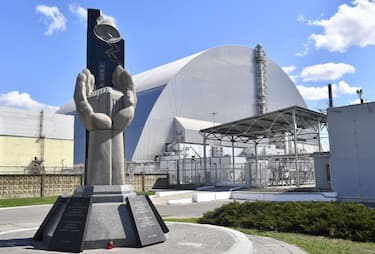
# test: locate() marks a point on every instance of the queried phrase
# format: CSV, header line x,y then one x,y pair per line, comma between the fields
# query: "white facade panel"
x,y
220,80
187,130
26,123
352,139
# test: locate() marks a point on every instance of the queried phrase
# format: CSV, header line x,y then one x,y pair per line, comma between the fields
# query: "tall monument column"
x,y
104,212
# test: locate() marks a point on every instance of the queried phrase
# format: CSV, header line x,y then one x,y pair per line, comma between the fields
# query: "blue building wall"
x,y
146,101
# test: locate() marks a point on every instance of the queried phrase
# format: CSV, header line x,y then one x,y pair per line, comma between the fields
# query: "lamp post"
x,y
197,180
359,93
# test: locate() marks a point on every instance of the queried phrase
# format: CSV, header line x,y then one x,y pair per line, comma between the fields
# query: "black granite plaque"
x,y
70,231
147,226
56,206
157,215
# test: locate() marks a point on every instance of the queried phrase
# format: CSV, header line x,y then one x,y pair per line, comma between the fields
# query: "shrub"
x,y
339,220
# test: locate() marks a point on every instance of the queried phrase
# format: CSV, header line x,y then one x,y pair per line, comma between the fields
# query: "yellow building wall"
x,y
20,152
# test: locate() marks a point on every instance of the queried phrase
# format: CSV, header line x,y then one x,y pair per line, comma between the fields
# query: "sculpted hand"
x,y
84,87
123,82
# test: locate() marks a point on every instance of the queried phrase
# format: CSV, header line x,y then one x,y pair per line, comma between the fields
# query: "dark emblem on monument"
x,y
104,211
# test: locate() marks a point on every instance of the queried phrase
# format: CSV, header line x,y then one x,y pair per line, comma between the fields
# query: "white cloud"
x,y
81,12
288,70
344,88
305,50
313,92
301,18
356,101
349,26
321,92
53,18
16,99
110,18
326,72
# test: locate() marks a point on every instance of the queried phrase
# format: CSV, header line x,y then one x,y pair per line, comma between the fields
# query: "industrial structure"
x,y
178,99
352,157
294,129
35,142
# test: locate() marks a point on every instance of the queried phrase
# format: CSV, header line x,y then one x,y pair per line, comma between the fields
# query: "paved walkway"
x,y
17,226
267,245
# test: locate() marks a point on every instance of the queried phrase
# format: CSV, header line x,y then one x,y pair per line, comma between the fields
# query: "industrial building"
x,y
176,100
35,142
352,157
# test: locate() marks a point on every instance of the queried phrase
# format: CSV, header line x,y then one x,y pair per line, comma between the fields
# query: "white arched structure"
x,y
220,80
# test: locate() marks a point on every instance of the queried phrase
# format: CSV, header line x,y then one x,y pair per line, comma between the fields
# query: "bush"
x,y
339,220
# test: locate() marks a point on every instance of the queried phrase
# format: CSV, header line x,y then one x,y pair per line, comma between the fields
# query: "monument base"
x,y
101,217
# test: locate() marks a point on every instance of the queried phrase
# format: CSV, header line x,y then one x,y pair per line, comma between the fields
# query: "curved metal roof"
x,y
160,75
265,125
149,79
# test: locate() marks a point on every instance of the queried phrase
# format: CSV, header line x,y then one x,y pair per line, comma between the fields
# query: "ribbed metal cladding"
x,y
261,81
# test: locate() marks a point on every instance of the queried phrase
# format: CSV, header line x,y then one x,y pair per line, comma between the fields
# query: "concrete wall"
x,y
352,141
27,123
26,186
23,133
20,151
146,182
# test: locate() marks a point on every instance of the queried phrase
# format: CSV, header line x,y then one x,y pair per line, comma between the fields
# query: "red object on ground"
x,y
110,245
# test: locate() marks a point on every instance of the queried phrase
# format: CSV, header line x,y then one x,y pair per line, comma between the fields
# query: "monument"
x,y
104,213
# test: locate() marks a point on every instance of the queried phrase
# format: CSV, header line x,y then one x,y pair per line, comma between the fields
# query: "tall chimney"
x,y
330,95
260,60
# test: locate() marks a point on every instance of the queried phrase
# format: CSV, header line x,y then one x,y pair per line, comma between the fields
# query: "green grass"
x,y
26,201
189,220
318,244
148,193
41,201
311,244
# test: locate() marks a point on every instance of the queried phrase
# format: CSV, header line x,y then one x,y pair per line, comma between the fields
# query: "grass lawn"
x,y
318,244
40,201
26,201
311,244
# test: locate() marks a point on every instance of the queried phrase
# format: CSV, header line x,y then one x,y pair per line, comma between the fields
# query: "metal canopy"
x,y
267,125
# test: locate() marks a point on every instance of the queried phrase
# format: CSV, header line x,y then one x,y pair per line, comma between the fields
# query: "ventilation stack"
x,y
260,60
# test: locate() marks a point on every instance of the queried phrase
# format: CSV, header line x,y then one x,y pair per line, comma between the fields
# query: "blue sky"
x,y
43,45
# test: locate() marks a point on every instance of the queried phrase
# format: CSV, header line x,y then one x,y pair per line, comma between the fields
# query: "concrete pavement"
x,y
17,226
267,245
183,238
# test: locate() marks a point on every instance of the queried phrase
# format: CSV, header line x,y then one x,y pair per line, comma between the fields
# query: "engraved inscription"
x,y
70,230
142,210
148,227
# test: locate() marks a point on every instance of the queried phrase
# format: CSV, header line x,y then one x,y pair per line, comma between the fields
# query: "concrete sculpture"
x,y
105,113
105,212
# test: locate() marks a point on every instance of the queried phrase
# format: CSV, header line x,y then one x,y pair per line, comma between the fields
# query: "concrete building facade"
x,y
352,154
29,140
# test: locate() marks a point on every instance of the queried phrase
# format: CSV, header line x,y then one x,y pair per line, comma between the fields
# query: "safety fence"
x,y
277,170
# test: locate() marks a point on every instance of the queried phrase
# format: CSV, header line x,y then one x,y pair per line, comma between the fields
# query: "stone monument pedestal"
x,y
101,216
